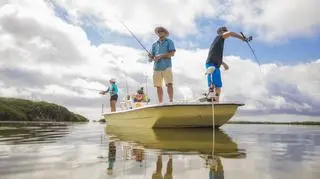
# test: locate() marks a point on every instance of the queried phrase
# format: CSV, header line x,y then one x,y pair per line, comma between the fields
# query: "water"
x,y
83,151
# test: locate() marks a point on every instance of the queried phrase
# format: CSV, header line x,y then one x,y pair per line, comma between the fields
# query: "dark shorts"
x,y
114,97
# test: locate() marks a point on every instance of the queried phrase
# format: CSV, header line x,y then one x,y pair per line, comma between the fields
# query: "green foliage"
x,y
10,114
12,109
102,120
80,118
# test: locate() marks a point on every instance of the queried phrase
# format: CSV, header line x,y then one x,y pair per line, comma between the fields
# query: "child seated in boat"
x,y
140,96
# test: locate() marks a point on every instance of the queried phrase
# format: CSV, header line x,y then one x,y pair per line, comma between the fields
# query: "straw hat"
x,y
161,28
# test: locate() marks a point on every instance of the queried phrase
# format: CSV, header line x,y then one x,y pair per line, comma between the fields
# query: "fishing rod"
x,y
90,89
132,34
253,52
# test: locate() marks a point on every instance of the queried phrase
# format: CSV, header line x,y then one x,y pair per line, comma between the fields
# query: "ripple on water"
x,y
83,151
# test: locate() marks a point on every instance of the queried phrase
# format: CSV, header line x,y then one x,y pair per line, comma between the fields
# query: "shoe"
x,y
210,100
202,99
210,95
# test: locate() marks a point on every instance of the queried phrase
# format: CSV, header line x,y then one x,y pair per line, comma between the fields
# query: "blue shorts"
x,y
216,77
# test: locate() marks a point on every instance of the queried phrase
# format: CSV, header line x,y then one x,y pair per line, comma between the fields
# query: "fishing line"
x,y
213,123
132,34
210,72
117,57
90,89
253,52
255,57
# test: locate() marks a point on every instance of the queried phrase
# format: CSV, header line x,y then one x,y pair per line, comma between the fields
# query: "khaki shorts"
x,y
159,76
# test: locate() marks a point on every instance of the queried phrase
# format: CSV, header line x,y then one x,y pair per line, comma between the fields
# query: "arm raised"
x,y
233,34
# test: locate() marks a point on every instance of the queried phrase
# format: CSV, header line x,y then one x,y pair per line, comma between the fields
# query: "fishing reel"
x,y
248,39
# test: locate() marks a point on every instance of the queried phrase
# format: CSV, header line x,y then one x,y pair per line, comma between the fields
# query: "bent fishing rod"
x,y
90,89
133,35
253,52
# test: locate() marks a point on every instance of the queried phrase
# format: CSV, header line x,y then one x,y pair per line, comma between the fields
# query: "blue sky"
x,y
290,51
293,51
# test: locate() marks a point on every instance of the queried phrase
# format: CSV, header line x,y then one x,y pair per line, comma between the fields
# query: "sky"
x,y
51,49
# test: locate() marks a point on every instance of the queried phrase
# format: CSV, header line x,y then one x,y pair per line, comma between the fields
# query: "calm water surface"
x,y
91,151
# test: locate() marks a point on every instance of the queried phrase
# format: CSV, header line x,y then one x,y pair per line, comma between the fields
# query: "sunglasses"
x,y
161,31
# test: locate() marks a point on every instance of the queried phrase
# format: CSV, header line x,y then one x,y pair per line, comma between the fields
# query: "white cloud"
x,y
143,15
272,19
269,19
186,92
277,87
274,88
78,82
41,55
13,91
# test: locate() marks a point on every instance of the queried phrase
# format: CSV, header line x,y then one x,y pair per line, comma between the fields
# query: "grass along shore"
x,y
14,109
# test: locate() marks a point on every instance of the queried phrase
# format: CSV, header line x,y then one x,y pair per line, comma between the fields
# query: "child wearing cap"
x,y
113,90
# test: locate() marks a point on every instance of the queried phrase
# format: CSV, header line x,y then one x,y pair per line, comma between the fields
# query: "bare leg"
x,y
113,105
211,88
170,91
217,94
210,95
160,94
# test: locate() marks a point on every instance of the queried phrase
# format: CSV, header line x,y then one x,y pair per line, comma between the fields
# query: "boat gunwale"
x,y
176,105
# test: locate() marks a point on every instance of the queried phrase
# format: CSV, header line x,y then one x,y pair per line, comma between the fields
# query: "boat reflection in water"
x,y
170,142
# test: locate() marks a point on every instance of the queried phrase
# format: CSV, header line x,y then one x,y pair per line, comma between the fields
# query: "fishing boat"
x,y
176,115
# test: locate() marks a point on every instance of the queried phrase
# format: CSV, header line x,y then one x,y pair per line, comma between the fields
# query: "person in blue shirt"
x,y
161,53
214,61
113,90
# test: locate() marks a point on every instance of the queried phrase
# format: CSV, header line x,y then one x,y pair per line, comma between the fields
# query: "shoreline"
x,y
313,123
47,122
307,123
